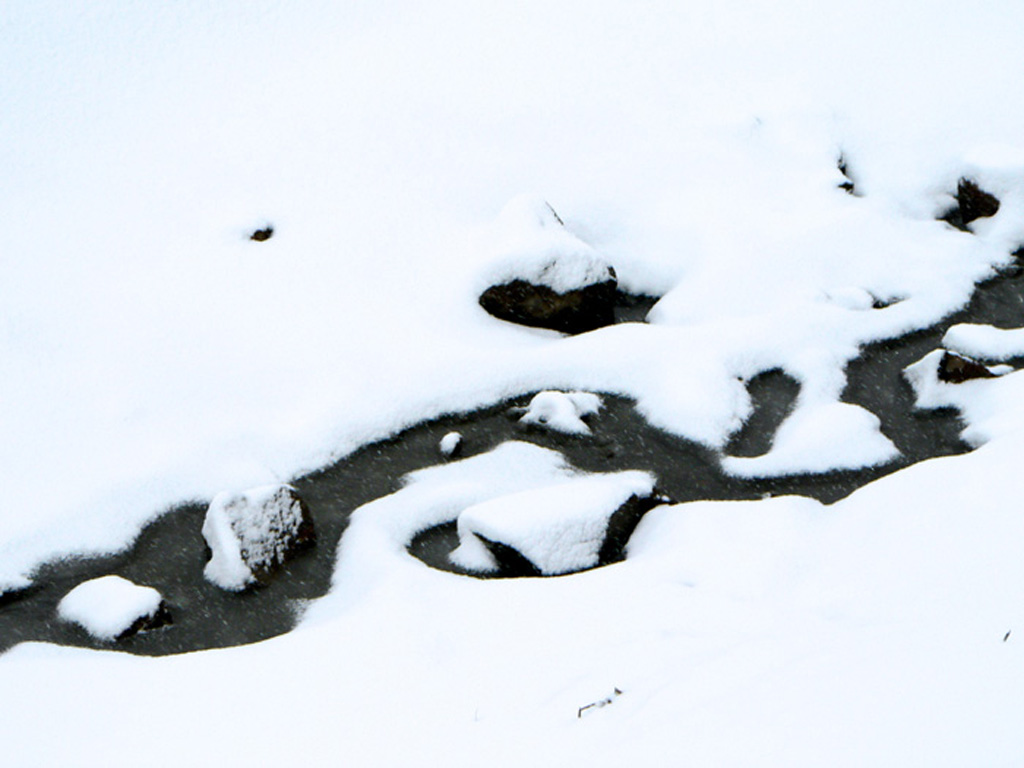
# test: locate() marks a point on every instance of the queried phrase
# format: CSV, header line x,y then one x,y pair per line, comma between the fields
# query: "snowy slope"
x,y
151,353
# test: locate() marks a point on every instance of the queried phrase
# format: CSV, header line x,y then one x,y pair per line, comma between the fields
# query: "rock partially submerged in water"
x,y
112,608
547,277
561,411
252,534
557,529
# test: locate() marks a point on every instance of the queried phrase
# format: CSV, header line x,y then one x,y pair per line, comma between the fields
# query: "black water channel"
x,y
170,553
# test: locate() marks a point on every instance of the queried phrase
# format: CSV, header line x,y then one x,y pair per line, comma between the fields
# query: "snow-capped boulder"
x,y
252,534
562,411
546,276
113,608
556,529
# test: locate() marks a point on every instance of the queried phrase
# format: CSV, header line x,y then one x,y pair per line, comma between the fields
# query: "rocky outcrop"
x,y
252,534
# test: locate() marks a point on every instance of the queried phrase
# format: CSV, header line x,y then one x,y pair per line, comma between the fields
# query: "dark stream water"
x,y
170,553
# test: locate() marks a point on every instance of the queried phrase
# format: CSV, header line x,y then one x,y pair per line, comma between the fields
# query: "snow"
x,y
150,353
562,411
532,244
560,528
108,606
249,532
985,342
450,443
818,439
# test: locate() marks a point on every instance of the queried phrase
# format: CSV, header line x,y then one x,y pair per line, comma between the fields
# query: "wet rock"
x,y
956,369
539,306
113,608
972,203
252,534
262,234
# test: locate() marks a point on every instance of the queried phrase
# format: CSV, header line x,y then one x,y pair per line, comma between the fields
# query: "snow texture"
x,y
250,533
560,528
108,606
562,411
830,436
533,245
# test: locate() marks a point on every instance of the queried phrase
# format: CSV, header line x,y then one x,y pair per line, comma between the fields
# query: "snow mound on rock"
x,y
559,528
532,244
985,342
252,533
562,411
107,607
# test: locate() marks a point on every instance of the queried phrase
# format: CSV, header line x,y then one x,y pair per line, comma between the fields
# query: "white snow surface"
x,y
532,244
985,342
249,531
817,439
150,353
109,605
562,411
559,528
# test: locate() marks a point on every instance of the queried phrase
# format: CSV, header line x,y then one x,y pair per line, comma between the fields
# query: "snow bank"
x,y
252,533
108,606
562,411
559,529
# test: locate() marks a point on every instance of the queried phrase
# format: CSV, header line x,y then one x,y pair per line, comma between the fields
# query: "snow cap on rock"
x,y
108,607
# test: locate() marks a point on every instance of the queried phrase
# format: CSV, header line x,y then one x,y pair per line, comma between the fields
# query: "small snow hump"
x,y
113,608
562,411
252,534
451,445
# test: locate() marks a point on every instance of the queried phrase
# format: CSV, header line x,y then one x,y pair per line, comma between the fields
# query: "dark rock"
x,y
956,369
262,234
972,203
539,306
159,618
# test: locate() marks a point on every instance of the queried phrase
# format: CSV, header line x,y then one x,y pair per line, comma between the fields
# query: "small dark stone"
x,y
847,186
972,203
539,306
262,234
159,618
956,369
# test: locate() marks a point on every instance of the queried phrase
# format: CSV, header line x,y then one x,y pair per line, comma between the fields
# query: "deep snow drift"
x,y
151,353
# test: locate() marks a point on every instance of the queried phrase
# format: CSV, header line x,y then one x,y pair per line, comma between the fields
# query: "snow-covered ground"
x,y
151,353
